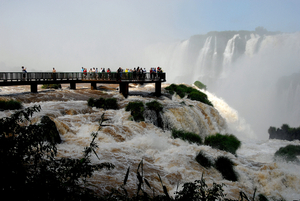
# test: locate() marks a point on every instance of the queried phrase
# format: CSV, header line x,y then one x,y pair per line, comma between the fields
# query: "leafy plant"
x,y
10,105
30,166
200,85
288,153
199,190
204,160
225,166
51,86
137,110
226,142
154,105
183,90
109,103
187,136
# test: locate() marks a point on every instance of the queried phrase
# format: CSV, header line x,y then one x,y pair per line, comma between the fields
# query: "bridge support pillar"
x,y
33,88
124,89
157,88
73,85
93,85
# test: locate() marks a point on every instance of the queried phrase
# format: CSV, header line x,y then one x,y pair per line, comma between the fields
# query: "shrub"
x,y
183,90
204,160
109,103
154,105
10,105
137,110
226,142
288,153
225,166
199,96
187,136
51,86
199,190
200,85
30,166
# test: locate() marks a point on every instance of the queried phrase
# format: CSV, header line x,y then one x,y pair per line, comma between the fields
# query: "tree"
x,y
30,167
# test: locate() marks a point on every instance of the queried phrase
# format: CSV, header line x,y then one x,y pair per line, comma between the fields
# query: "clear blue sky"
x,y
69,34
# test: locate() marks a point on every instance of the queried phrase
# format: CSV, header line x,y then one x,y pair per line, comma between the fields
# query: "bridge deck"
x,y
123,79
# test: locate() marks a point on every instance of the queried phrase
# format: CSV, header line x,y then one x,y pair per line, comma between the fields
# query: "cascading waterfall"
x,y
245,69
125,143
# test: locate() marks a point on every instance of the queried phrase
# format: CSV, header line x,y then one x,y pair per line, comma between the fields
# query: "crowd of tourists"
x,y
137,73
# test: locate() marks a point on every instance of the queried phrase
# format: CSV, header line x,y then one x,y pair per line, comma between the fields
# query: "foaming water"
x,y
125,143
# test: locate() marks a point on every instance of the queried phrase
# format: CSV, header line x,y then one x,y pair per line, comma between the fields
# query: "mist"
x,y
255,73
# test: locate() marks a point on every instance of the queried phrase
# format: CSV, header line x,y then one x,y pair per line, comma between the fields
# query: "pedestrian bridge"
x,y
123,79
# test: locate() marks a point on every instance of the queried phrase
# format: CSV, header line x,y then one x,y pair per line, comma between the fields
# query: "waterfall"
x,y
244,68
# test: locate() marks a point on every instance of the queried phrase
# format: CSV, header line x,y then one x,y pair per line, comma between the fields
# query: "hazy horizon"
x,y
70,34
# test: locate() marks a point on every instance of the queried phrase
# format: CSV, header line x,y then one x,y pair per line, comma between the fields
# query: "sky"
x,y
69,34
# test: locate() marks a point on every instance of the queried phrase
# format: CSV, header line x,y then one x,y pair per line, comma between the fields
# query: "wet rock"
x,y
49,127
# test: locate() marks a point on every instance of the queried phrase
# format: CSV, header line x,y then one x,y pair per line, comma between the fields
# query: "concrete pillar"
x,y
73,85
157,88
93,85
33,88
124,89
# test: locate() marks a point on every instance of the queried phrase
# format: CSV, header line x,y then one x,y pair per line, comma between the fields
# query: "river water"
x,y
126,143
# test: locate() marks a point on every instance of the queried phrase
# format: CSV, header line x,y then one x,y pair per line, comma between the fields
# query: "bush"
x,y
199,190
187,136
200,85
10,105
51,86
288,153
204,160
199,96
109,103
225,166
154,105
284,133
183,90
137,110
227,142
30,166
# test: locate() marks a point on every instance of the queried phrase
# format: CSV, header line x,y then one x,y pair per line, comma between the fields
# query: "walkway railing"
x,y
89,76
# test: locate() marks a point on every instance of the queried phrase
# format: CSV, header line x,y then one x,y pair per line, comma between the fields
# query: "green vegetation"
x,y
200,85
284,133
288,153
226,142
187,136
204,160
154,105
30,167
109,103
51,86
225,166
137,109
199,190
10,105
182,90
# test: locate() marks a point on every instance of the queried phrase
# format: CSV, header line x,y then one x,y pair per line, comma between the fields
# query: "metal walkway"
x,y
123,79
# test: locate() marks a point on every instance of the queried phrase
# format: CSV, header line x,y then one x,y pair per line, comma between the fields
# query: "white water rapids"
x,y
125,143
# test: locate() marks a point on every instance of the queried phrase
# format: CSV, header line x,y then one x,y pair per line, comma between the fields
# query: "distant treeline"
x,y
284,133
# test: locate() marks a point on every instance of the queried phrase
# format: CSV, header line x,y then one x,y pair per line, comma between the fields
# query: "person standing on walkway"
x,y
24,71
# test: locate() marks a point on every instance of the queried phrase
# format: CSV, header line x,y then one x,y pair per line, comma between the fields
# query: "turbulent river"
x,y
125,143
